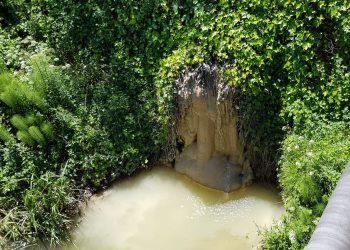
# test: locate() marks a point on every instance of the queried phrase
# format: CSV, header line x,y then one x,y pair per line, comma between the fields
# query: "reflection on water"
x,y
161,209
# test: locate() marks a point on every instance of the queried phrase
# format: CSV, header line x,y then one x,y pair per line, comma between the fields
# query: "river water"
x,y
161,209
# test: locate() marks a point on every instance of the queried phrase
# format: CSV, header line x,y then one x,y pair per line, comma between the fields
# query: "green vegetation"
x,y
311,165
34,193
87,92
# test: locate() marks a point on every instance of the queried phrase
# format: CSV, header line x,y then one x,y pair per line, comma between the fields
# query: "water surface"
x,y
161,209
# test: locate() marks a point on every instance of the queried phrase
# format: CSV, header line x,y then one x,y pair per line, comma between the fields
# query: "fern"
x,y
25,137
11,92
31,119
9,98
23,98
35,98
5,135
5,80
19,122
37,135
19,95
41,71
47,129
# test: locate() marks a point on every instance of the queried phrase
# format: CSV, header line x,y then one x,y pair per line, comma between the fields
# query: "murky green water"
x,y
163,210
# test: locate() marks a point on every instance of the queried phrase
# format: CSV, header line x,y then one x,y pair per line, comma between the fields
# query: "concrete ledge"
x,y
333,230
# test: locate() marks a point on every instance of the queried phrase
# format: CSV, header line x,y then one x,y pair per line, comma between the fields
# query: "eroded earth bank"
x,y
213,151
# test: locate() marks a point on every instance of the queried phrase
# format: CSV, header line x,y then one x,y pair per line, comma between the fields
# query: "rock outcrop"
x,y
213,152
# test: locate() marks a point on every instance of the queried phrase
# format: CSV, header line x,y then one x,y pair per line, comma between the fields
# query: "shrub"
x,y
91,157
35,196
310,167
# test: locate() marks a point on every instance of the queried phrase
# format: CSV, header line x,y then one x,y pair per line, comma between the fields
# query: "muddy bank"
x,y
213,151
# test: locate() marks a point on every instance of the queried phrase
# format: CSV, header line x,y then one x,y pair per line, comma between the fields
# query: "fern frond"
x,y
41,71
25,137
5,135
19,122
47,129
17,94
10,90
31,119
35,133
5,80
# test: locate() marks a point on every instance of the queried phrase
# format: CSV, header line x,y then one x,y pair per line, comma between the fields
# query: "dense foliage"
x,y
311,165
289,58
64,128
87,94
